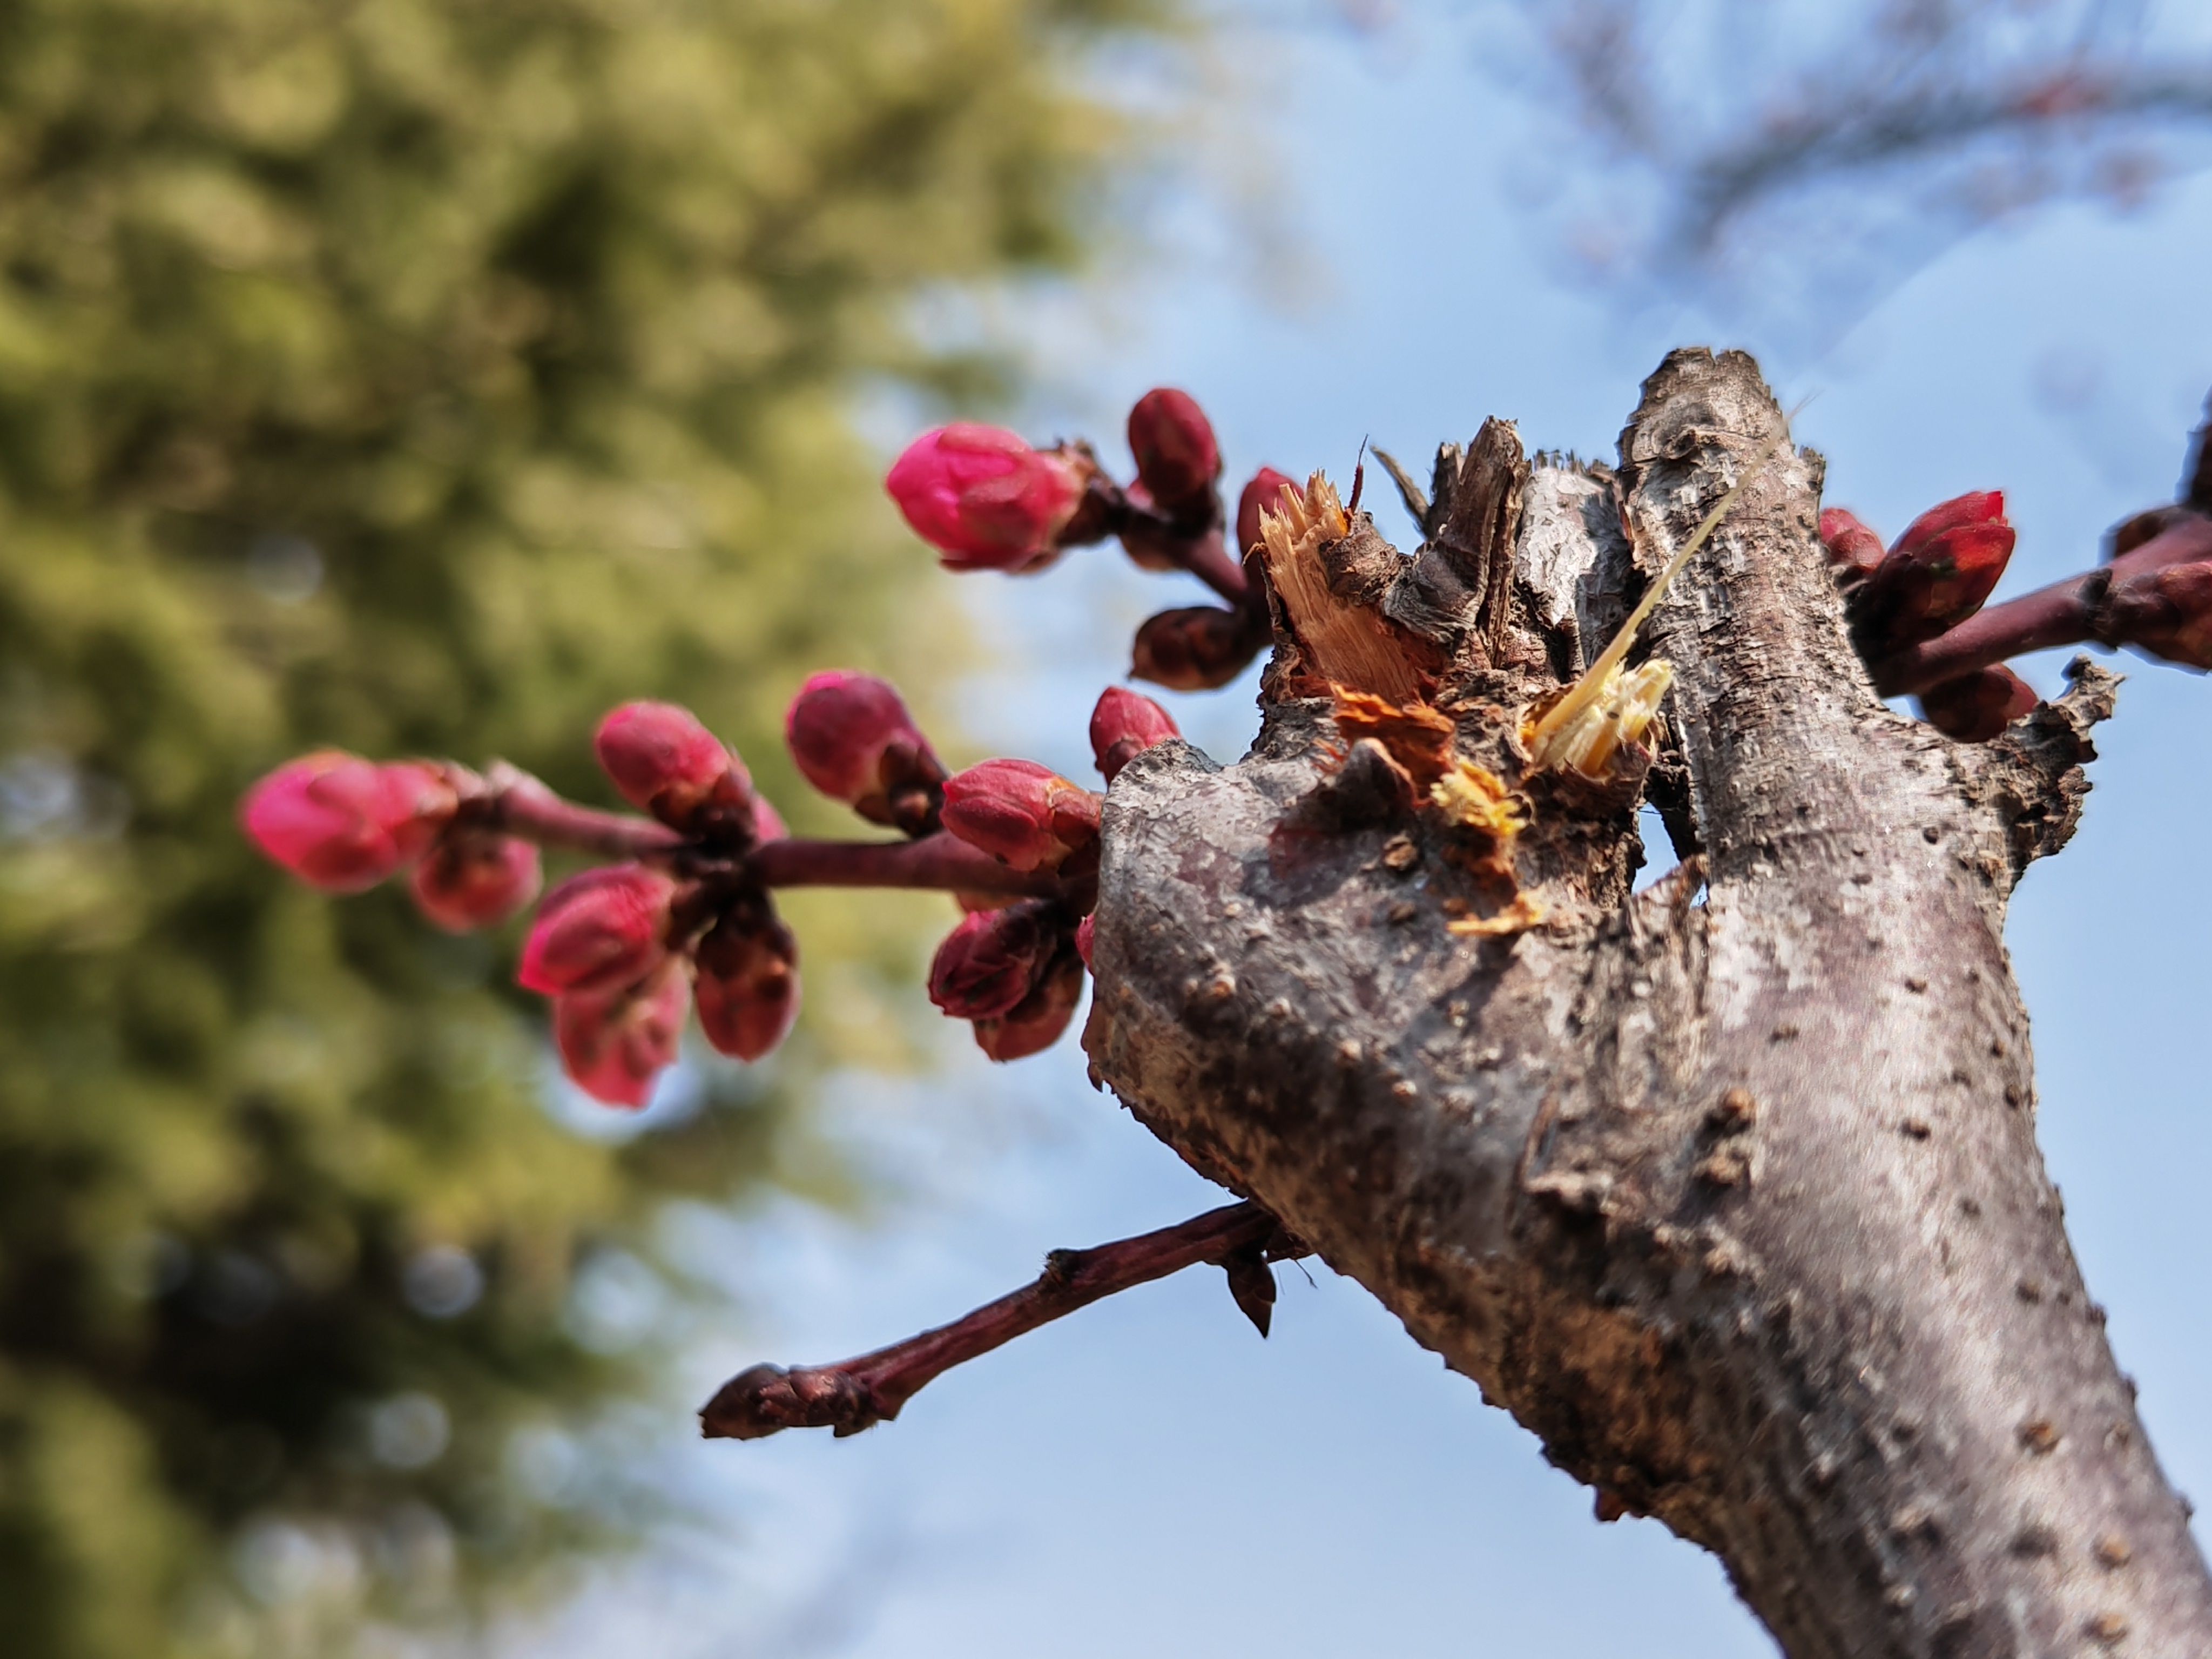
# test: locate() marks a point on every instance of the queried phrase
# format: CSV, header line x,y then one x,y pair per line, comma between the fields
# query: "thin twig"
x,y
857,1394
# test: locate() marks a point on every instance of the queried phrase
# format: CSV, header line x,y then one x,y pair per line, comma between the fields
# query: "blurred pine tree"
x,y
411,377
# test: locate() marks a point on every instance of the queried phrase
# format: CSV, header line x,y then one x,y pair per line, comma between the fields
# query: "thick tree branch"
x,y
858,1394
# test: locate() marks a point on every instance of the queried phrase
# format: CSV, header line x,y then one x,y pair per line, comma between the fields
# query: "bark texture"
x,y
1728,1190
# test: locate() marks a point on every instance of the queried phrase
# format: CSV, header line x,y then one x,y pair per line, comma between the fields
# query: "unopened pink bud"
x,y
748,987
983,498
1123,726
1035,1022
667,763
1196,647
1975,507
614,1043
994,959
599,931
1266,490
1177,458
1023,813
471,880
855,742
1853,549
1975,706
344,824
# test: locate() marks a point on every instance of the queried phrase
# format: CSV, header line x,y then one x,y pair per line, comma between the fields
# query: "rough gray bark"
x,y
1733,1199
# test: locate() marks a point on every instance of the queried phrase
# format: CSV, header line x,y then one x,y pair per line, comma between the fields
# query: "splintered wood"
x,y
1338,642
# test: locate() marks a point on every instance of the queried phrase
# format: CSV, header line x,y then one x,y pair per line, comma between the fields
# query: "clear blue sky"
x,y
1150,1478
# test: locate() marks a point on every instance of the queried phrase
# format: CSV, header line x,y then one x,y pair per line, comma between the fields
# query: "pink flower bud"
x,y
344,824
1177,458
1266,490
613,1043
983,498
1975,706
1938,574
748,989
1123,726
855,742
1853,549
470,880
1025,814
1035,1023
667,763
1198,647
994,959
599,931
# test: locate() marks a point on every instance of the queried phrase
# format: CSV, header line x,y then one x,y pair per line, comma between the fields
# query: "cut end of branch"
x,y
1338,640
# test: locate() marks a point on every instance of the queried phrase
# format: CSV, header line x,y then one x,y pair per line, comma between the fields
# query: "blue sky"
x,y
1149,1477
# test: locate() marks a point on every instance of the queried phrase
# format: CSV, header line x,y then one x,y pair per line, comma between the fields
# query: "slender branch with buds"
x,y
857,1394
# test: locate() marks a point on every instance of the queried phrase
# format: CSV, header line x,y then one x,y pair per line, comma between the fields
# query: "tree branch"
x,y
858,1394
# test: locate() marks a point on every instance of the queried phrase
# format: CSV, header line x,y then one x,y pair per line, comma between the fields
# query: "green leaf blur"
x,y
412,378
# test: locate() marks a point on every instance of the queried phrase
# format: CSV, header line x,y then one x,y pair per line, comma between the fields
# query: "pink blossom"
x,y
854,741
747,988
599,931
1177,454
1025,814
992,960
614,1043
475,880
1035,1022
1124,724
344,824
983,498
667,763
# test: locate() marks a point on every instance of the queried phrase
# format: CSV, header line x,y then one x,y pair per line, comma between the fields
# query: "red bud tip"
x,y
1085,931
748,989
343,823
855,742
1123,726
1265,491
474,880
1975,706
2166,613
600,931
1975,507
1198,648
1035,1023
666,763
1853,549
1177,458
1022,814
983,498
1939,574
613,1044
994,959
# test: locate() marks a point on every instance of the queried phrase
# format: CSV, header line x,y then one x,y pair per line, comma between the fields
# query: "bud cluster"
x,y
987,501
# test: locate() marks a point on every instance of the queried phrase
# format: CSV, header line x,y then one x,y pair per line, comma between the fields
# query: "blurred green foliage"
x,y
415,377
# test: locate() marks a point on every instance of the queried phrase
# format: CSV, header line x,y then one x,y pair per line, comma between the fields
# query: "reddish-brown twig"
x,y
520,806
858,1394
2065,613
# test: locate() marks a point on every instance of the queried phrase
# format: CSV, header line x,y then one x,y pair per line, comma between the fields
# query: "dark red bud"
x,y
1937,576
1123,726
614,1043
599,931
1177,458
1853,549
1265,491
1197,648
1975,706
473,879
1975,507
992,961
2166,613
1021,812
1035,1022
748,986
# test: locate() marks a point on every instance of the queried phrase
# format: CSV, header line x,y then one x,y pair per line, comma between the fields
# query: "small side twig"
x,y
857,1394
